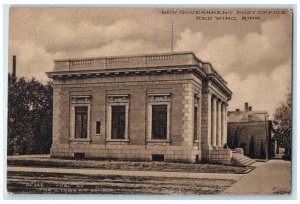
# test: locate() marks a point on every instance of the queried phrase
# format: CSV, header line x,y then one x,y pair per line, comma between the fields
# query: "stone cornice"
x,y
216,81
197,71
126,72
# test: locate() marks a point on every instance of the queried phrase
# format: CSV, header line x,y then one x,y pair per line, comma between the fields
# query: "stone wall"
x,y
181,146
221,156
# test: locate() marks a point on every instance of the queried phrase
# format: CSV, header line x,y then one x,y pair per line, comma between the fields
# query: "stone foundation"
x,y
128,152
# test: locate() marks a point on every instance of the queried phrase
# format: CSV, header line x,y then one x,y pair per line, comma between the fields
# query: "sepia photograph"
x,y
150,101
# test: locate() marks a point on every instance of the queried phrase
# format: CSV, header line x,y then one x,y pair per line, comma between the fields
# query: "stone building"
x,y
170,107
251,130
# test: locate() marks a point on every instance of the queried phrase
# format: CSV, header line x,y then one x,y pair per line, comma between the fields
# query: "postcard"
x,y
150,101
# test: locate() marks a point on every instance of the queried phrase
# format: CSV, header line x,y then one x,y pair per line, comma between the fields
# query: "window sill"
x,y
117,140
80,140
158,141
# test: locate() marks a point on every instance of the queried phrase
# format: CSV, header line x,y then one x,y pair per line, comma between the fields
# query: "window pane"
x,y
159,121
114,133
118,122
98,127
81,115
196,123
121,132
78,126
84,125
159,108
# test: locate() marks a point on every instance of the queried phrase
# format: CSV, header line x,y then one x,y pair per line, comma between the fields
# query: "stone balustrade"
x,y
153,60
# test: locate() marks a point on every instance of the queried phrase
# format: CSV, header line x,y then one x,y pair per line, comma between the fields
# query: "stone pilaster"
x,y
223,141
219,124
200,122
188,116
225,124
205,125
56,117
214,122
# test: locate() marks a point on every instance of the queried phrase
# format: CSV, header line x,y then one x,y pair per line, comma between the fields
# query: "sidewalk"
x,y
272,177
125,173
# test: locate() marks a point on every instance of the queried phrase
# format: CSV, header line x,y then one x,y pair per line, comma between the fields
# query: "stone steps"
x,y
241,160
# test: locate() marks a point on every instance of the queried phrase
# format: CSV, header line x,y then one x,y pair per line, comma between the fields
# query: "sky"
x,y
253,56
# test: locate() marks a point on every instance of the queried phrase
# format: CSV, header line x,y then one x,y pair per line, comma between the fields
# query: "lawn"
x,y
44,183
126,165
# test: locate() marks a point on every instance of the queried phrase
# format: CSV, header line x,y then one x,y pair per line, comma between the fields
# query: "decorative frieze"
x,y
118,98
152,97
81,99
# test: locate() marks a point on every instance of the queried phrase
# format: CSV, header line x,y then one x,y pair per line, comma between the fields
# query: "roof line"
x,y
137,55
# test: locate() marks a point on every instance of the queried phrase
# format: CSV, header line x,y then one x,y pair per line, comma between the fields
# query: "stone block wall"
x,y
221,156
181,146
126,152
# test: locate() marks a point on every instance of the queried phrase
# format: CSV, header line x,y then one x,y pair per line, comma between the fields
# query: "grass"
x,y
126,165
44,183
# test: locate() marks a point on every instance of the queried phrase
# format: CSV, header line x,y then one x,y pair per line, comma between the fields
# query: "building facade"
x,y
170,107
252,131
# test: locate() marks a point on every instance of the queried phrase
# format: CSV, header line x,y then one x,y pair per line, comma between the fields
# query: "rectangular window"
x,y
81,121
98,127
159,122
118,122
158,157
195,123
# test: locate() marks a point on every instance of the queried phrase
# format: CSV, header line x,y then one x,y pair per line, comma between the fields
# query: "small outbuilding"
x,y
252,131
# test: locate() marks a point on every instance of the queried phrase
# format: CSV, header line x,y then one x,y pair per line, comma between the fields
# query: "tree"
x,y
252,147
233,141
236,138
282,125
262,153
29,116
